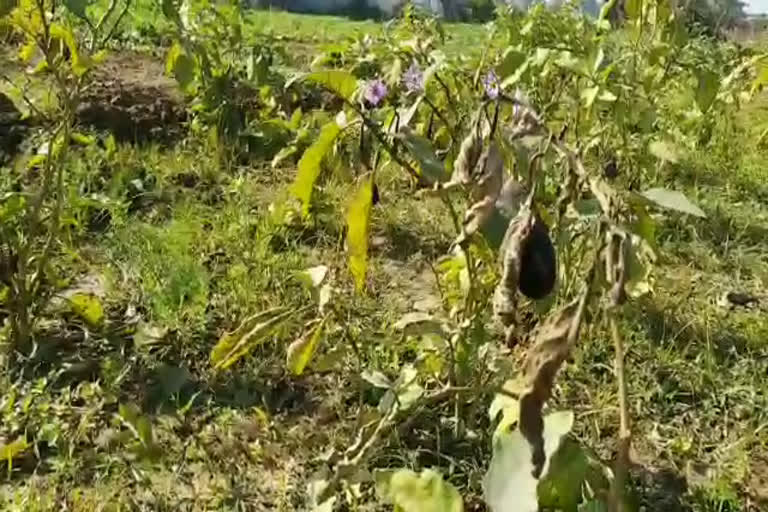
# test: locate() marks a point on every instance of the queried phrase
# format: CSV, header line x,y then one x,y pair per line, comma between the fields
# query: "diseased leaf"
x,y
342,83
423,152
358,224
88,307
409,491
251,333
300,352
309,164
673,200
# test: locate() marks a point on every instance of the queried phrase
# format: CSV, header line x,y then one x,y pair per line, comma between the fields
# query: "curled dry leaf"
x,y
469,153
551,346
485,187
511,254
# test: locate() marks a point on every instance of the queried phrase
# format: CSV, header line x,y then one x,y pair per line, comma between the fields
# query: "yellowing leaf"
x,y
309,165
251,333
358,223
340,82
180,66
418,492
79,63
10,451
300,352
87,307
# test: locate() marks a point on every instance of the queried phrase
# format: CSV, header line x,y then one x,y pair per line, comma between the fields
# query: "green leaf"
x,y
342,83
423,152
409,491
569,469
79,63
358,225
180,66
706,90
673,200
509,485
510,63
309,164
88,307
77,7
251,333
300,352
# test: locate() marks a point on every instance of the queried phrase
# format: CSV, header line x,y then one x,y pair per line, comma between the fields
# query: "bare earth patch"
x,y
133,98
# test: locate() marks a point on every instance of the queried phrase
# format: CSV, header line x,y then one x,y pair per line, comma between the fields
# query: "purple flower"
x,y
375,91
413,78
491,83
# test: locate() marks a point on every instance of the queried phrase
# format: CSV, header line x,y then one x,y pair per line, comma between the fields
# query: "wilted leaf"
x,y
409,491
509,484
422,151
340,82
358,224
251,333
88,307
511,256
309,164
673,200
300,352
706,89
542,362
180,66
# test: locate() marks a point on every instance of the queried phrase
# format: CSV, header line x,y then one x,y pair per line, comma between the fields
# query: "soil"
x,y
12,128
132,97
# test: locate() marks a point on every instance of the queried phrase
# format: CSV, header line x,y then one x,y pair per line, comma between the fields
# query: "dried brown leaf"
x,y
551,347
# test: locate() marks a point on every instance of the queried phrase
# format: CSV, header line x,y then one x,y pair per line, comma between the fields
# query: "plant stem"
x,y
625,435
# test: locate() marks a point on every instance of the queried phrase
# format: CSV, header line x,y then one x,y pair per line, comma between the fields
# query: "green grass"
x,y
193,248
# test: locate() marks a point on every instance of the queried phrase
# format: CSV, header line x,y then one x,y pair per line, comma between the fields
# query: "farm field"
x,y
232,276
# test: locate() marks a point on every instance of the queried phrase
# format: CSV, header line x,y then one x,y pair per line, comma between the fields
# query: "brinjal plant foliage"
x,y
63,42
544,151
